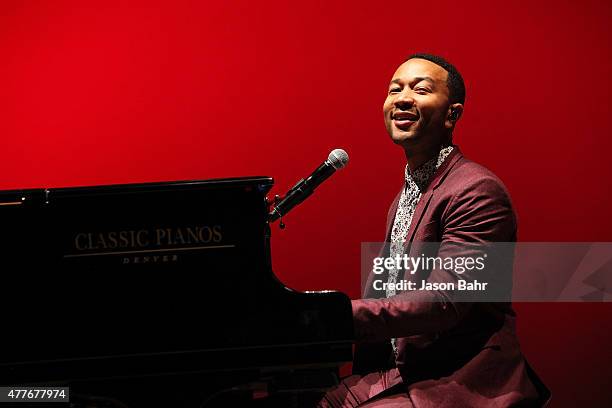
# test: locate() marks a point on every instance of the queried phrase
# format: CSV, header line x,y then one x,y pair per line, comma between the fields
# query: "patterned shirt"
x,y
416,182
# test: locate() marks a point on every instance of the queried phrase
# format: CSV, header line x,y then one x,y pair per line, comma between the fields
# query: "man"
x,y
425,348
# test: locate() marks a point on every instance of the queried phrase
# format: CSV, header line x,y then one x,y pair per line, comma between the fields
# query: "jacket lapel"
x,y
438,177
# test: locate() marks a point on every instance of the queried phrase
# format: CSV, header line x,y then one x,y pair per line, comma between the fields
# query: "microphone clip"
x,y
277,200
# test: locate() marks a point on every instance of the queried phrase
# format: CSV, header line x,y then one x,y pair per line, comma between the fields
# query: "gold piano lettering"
x,y
148,239
188,235
111,240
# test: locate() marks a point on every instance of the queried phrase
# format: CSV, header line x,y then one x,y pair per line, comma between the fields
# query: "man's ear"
x,y
453,114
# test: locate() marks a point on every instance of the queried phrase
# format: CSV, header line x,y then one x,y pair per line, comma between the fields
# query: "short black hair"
x,y
456,86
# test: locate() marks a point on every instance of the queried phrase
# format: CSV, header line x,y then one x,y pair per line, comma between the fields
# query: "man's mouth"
x,y
404,119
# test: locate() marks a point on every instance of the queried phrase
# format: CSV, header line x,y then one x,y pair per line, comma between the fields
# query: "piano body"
x,y
163,282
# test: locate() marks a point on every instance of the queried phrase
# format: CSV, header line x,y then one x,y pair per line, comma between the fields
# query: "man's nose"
x,y
404,100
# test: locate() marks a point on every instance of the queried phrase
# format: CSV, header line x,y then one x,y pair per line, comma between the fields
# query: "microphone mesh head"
x,y
338,158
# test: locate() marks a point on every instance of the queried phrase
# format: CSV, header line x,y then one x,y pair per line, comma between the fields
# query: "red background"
x,y
99,92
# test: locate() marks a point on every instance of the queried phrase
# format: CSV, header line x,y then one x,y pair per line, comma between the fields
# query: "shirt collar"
x,y
422,174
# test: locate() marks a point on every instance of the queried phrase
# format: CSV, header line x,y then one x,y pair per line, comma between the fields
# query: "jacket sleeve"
x,y
478,214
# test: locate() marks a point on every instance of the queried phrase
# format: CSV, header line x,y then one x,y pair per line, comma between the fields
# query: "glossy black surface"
x,y
149,279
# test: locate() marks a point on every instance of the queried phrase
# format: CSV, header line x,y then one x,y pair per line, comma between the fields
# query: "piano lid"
x,y
114,225
262,183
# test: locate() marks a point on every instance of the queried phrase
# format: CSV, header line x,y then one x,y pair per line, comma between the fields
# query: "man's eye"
x,y
394,90
421,91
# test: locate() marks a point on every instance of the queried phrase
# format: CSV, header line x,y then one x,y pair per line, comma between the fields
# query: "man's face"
x,y
416,108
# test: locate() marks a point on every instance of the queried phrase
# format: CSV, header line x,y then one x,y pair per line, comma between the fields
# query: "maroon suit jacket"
x,y
450,354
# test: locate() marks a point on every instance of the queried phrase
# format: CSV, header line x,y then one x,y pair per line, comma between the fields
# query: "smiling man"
x,y
427,348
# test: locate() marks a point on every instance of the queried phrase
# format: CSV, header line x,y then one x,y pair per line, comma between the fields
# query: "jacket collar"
x,y
444,169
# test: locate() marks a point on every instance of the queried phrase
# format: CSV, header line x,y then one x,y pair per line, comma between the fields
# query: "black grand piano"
x,y
163,289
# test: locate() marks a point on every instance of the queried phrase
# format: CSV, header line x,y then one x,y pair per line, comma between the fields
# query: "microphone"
x,y
336,160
